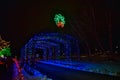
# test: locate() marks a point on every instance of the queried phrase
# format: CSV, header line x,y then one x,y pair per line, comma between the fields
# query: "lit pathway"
x,y
109,68
61,70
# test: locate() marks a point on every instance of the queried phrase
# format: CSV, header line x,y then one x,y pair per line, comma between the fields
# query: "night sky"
x,y
21,19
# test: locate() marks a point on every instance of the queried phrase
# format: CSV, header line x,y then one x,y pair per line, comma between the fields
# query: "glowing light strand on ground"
x,y
20,75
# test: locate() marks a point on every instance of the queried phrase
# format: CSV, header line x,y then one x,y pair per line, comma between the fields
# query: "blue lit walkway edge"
x,y
85,66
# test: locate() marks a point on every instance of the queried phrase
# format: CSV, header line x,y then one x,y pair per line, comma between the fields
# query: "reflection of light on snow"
x,y
100,68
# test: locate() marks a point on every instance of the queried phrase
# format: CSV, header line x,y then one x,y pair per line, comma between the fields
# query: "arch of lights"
x,y
55,43
49,46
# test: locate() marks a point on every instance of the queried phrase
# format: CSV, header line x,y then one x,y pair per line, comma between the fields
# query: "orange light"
x,y
60,24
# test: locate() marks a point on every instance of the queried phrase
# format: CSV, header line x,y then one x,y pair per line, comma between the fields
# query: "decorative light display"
x,y
4,48
5,52
52,43
59,20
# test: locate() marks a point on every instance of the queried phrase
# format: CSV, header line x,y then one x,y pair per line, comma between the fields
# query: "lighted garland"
x,y
59,20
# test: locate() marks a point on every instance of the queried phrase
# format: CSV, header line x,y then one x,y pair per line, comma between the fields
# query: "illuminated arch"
x,y
61,43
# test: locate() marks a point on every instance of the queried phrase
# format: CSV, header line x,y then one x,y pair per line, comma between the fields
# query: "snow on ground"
x,y
36,74
109,68
21,74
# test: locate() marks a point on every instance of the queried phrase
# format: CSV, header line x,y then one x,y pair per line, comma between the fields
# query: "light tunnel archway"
x,y
53,45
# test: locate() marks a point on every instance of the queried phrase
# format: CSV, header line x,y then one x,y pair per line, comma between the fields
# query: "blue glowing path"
x,y
109,68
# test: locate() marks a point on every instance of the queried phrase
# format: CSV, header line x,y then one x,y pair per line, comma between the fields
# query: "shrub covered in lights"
x,y
4,48
59,20
5,52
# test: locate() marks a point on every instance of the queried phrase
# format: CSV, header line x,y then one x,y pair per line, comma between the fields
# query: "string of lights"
x,y
55,43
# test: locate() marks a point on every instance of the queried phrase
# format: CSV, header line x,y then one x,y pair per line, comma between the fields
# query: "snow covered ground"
x,y
109,68
22,74
36,74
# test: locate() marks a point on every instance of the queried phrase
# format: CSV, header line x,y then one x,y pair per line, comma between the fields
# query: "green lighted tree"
x,y
4,48
6,51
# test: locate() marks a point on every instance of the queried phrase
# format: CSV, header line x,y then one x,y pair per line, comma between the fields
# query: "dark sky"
x,y
20,19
